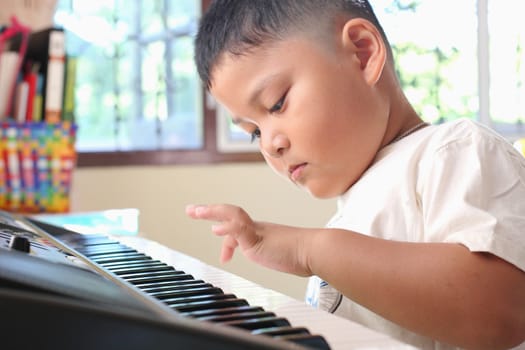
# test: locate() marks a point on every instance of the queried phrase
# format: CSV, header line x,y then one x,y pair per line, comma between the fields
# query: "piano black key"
x,y
206,305
223,311
153,275
131,263
307,340
172,302
134,271
164,295
107,254
120,257
281,331
252,324
174,276
237,316
148,286
186,286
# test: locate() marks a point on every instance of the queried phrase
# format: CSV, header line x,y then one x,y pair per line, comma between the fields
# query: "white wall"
x,y
161,194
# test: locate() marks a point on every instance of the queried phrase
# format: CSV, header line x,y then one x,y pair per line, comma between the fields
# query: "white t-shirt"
x,y
458,182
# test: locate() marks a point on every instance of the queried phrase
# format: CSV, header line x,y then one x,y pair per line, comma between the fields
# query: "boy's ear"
x,y
364,41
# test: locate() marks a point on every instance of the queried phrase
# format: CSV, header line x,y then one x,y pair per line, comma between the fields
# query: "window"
x,y
437,66
468,62
506,66
136,87
139,100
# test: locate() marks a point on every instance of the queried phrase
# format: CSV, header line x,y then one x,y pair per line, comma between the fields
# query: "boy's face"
x,y
320,122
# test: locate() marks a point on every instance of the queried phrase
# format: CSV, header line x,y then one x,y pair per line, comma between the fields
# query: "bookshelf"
x,y
37,127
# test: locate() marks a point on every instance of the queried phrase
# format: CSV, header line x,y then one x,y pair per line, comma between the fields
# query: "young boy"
x,y
428,242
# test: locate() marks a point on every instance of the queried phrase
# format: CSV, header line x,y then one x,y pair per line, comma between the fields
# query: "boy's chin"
x,y
322,192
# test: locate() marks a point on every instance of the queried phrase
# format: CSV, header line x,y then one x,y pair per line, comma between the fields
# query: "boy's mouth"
x,y
295,171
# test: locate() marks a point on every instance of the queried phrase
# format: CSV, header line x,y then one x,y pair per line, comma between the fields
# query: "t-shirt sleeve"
x,y
473,193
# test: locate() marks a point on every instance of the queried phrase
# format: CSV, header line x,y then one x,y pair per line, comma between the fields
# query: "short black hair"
x,y
236,26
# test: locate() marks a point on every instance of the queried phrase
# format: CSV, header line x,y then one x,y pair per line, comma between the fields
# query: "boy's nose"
x,y
275,146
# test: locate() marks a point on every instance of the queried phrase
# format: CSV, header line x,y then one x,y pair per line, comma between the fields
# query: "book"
x,y
54,81
21,101
68,108
38,100
31,77
8,74
3,167
47,48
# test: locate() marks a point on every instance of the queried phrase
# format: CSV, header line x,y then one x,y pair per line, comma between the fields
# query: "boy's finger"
x,y
220,229
217,212
190,210
197,211
228,248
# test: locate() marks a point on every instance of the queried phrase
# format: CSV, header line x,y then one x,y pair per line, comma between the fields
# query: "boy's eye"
x,y
255,134
279,105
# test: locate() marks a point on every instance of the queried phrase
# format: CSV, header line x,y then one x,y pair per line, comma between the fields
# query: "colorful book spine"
x,y
38,101
28,172
55,77
54,162
8,73
31,77
3,166
14,183
21,101
68,109
62,165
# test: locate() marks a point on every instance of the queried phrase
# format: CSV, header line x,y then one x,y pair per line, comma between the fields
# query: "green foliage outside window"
x,y
137,88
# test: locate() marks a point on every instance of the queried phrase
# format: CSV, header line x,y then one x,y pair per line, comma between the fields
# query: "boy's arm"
x,y
440,290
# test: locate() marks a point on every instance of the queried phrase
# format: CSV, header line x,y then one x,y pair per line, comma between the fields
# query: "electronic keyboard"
x,y
63,289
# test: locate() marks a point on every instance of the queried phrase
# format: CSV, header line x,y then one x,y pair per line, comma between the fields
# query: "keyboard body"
x,y
62,289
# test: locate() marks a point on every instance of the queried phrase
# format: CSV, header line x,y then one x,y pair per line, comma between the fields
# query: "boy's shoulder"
x,y
467,138
463,126
460,136
465,129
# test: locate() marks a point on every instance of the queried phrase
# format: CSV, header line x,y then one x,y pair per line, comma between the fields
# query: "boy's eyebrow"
x,y
260,86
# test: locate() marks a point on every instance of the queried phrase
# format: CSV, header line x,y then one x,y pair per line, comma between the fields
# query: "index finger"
x,y
217,212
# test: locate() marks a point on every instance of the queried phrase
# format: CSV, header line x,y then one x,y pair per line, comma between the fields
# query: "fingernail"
x,y
200,210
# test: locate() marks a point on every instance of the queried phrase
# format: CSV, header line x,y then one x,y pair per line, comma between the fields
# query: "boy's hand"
x,y
275,246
